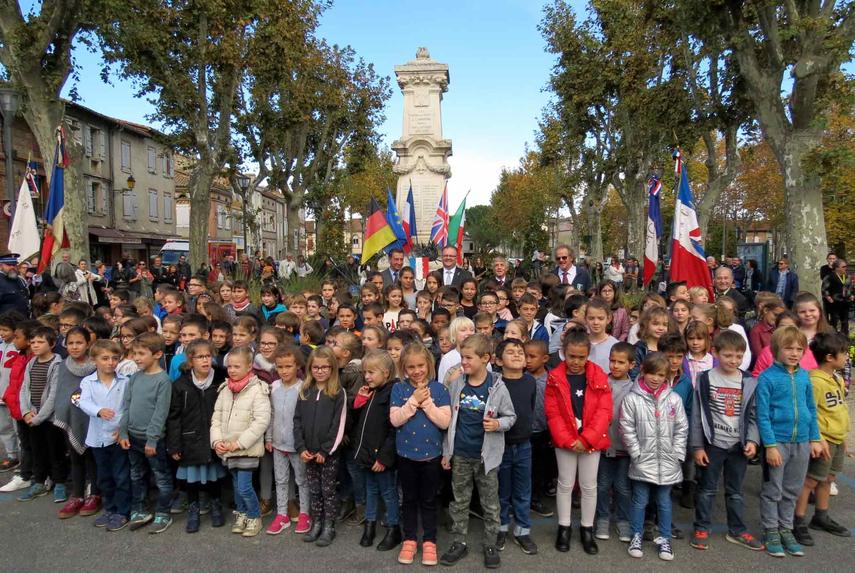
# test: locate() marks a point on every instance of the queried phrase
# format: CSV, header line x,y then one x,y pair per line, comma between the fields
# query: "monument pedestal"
x,y
422,152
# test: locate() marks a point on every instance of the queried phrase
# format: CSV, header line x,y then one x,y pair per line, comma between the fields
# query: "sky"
x,y
497,62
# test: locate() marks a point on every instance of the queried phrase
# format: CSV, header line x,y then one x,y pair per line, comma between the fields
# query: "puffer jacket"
x,y
243,417
596,413
655,430
188,426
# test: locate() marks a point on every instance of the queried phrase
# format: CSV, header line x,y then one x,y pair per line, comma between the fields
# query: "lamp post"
x,y
10,99
243,183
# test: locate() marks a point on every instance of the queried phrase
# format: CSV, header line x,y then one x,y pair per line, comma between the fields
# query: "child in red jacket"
x,y
12,399
578,405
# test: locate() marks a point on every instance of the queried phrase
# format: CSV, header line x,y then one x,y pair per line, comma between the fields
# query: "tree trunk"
x,y
292,204
718,180
43,115
596,204
201,179
634,198
806,239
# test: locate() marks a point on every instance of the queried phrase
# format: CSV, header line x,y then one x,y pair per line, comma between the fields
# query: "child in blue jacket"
x,y
786,416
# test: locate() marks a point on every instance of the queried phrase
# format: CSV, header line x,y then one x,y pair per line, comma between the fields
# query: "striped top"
x,y
38,381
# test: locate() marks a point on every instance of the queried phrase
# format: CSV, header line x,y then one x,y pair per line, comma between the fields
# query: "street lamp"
x,y
131,182
243,183
10,100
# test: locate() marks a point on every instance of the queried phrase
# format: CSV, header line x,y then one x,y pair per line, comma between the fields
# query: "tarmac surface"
x,y
33,539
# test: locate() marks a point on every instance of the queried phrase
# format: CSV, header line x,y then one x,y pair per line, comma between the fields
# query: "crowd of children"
x,y
320,408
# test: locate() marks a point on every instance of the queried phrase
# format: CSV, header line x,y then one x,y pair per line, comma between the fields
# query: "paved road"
x,y
34,540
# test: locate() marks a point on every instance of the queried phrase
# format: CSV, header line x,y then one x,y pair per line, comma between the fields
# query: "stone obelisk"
x,y
422,151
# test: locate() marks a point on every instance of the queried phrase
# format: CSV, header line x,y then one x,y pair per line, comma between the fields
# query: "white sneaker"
x,y
634,548
16,483
666,553
833,490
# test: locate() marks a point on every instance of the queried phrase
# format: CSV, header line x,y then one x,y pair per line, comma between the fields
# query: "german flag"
x,y
378,233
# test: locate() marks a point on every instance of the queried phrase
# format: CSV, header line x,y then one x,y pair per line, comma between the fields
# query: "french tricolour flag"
x,y
688,260
654,230
408,220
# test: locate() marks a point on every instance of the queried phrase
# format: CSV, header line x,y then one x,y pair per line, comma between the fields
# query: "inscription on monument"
x,y
421,123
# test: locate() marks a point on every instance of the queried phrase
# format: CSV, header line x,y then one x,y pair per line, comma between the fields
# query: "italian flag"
x,y
456,229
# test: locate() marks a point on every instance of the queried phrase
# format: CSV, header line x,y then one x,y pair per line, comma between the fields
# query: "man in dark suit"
x,y
568,273
452,275
396,263
724,287
784,282
500,271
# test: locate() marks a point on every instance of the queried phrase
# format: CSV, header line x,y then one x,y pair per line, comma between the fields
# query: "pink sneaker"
x,y
280,524
304,524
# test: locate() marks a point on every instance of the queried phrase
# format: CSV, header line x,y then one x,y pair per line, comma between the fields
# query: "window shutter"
x,y
90,198
102,144
167,207
152,204
87,140
127,205
135,204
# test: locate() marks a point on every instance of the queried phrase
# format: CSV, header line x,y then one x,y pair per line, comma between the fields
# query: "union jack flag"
x,y
439,229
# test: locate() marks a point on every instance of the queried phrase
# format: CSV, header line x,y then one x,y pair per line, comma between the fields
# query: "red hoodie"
x,y
12,395
596,415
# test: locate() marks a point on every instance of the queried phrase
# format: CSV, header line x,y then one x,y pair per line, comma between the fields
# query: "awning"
x,y
114,236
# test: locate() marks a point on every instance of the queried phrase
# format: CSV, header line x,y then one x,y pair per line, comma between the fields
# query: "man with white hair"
x,y
64,271
724,287
500,271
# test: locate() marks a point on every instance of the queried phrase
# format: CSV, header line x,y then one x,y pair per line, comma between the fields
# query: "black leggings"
x,y
83,469
420,483
212,488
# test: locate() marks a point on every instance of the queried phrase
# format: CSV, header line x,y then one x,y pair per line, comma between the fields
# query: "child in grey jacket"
x,y
279,440
481,412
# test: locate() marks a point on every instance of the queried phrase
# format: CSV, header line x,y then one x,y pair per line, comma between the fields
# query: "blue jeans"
x,y
641,491
140,466
356,486
381,484
246,501
114,478
613,475
515,488
734,463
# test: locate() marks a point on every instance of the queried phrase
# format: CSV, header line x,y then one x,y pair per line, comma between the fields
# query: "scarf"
x,y
78,369
240,306
204,383
237,386
650,390
262,363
